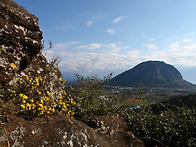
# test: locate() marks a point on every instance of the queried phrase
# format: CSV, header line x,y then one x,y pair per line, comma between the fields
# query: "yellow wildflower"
x,y
49,108
21,81
38,92
64,106
40,109
72,113
41,101
25,97
37,81
33,106
45,108
69,113
20,95
23,101
41,105
42,112
27,77
22,106
28,106
12,66
53,110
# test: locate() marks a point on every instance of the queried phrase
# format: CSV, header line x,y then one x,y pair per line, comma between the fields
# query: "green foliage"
x,y
187,101
87,96
169,127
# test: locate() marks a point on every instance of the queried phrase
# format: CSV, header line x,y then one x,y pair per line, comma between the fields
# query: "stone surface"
x,y
65,131
113,129
20,44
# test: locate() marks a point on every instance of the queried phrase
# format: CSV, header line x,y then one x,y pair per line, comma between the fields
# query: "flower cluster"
x,y
32,83
40,102
11,67
64,104
38,106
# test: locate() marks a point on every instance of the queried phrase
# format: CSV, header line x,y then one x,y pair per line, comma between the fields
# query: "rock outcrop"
x,y
108,131
20,45
113,129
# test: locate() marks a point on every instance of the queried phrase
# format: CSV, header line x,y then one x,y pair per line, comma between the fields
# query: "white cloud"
x,y
115,57
89,23
118,19
111,30
151,46
91,46
113,47
65,45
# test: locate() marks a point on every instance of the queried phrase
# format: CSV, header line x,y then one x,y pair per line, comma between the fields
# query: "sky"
x,y
104,36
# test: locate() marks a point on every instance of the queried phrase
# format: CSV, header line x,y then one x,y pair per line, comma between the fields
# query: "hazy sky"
x,y
106,36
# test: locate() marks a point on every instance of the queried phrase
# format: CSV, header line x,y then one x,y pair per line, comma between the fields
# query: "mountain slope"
x,y
150,74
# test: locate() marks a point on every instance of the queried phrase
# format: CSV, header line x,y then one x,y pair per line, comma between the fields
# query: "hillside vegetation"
x,y
163,124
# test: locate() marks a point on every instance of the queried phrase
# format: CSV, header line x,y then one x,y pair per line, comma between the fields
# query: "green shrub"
x,y
87,96
171,127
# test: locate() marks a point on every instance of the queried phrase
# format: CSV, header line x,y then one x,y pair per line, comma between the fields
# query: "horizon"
x,y
71,77
114,36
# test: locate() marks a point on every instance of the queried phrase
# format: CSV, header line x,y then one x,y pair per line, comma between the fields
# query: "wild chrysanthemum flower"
x,y
21,95
22,106
27,77
41,105
25,97
53,110
12,65
41,101
28,106
23,101
33,106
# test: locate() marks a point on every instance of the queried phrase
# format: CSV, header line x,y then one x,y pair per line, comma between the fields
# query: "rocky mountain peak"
x,y
150,74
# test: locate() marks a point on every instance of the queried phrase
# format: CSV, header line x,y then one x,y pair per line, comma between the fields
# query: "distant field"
x,y
144,95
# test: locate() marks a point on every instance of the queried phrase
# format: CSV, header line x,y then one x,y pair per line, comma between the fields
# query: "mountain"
x,y
151,74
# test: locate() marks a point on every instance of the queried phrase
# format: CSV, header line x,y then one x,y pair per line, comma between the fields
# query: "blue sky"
x,y
104,36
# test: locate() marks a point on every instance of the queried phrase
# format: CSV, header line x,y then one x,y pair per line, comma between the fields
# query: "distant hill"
x,y
151,74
